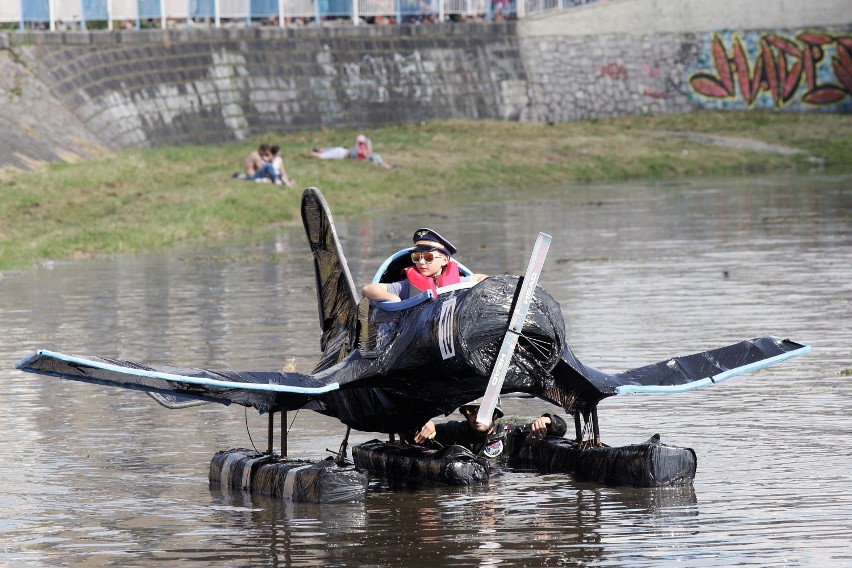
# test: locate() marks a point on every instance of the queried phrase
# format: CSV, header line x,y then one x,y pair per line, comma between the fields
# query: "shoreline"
x,y
153,199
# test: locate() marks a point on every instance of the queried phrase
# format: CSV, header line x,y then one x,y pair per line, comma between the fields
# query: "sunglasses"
x,y
470,410
427,256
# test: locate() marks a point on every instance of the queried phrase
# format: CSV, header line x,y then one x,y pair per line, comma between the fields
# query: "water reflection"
x,y
97,476
484,526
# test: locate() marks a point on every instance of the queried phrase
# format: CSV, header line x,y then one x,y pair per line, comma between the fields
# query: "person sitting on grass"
x,y
363,150
258,164
281,176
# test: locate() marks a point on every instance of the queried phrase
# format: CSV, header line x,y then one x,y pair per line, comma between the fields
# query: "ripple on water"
x,y
100,476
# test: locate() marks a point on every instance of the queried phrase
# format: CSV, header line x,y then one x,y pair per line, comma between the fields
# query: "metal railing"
x,y
129,14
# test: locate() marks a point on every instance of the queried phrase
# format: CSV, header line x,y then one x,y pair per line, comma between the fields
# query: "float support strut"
x,y
596,426
341,455
284,434
578,427
269,433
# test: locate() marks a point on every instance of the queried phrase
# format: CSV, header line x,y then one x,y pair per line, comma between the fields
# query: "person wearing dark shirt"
x,y
494,440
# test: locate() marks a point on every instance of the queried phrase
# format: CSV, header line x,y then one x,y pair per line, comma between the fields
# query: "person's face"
x,y
433,268
470,413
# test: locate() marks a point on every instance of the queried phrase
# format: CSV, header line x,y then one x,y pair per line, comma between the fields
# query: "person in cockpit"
x,y
433,268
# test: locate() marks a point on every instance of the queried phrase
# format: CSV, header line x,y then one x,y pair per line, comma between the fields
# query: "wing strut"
x,y
516,326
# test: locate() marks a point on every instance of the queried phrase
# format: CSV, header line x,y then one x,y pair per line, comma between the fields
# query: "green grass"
x,y
144,200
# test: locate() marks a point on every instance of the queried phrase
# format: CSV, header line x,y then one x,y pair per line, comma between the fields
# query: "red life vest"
x,y
420,283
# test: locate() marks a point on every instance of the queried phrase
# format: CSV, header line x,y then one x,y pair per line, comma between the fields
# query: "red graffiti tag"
x,y
779,69
650,71
614,71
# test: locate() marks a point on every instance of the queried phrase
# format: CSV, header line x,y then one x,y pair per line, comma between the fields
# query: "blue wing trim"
x,y
646,389
178,378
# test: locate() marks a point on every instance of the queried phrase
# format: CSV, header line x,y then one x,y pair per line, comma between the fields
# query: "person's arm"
x,y
251,165
379,293
288,181
548,425
450,433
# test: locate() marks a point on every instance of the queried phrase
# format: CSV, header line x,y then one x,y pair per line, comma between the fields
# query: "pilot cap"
x,y
426,239
498,412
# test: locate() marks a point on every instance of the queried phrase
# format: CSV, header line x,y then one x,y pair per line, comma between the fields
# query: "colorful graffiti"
x,y
812,67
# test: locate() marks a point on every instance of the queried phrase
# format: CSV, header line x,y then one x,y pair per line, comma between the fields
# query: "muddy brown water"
x,y
93,476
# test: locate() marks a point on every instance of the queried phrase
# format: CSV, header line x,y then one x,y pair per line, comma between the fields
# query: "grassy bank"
x,y
152,199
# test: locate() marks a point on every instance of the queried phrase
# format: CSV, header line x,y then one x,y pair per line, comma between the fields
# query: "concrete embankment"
x,y
76,95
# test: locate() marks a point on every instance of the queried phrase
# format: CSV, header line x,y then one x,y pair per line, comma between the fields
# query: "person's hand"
x,y
538,429
427,432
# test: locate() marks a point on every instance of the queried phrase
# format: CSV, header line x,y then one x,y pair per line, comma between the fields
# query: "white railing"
x,y
107,14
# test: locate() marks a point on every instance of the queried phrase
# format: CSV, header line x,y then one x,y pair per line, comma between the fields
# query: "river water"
x,y
93,476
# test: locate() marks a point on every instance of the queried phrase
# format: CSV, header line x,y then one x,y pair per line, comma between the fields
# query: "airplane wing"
x,y
680,374
578,386
177,387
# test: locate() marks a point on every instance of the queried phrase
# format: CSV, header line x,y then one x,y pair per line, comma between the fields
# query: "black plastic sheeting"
x,y
453,465
649,464
411,381
294,480
577,386
337,296
173,393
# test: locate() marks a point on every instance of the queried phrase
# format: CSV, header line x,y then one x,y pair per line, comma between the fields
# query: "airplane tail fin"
x,y
336,294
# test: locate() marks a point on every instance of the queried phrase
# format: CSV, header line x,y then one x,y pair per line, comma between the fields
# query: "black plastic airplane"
x,y
391,367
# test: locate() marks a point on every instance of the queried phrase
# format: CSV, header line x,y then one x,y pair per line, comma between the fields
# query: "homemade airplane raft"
x,y
391,367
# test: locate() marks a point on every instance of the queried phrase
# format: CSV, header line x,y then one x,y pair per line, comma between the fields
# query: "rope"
x,y
245,411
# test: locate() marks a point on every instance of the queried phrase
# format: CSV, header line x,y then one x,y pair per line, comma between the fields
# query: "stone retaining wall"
x,y
145,88
76,95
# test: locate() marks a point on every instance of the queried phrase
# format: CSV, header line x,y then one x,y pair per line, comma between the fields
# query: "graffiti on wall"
x,y
775,70
377,79
615,71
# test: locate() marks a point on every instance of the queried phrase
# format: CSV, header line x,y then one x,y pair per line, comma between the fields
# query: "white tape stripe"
x,y
290,481
445,329
227,466
247,467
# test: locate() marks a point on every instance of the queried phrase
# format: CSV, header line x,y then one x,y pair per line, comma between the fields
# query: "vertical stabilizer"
x,y
336,295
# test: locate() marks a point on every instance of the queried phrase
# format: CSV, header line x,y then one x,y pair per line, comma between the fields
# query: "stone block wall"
x,y
145,88
577,77
75,95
